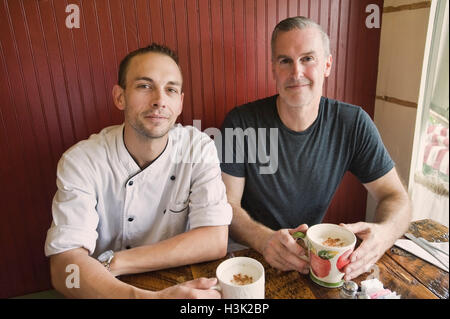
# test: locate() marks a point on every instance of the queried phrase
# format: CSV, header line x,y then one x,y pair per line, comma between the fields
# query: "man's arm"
x,y
209,217
392,219
197,245
278,247
97,282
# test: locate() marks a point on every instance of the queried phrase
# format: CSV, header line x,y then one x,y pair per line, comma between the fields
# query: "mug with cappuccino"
x,y
241,278
329,248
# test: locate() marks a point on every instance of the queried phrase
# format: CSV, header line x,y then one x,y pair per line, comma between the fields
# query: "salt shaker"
x,y
349,290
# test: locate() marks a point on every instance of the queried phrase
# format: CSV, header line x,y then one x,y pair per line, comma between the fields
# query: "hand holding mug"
x,y
375,241
281,251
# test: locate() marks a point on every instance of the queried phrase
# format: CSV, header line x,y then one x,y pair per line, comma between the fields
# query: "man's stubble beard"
x,y
144,133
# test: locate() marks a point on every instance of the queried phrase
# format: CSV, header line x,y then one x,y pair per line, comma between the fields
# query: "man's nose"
x,y
297,70
158,99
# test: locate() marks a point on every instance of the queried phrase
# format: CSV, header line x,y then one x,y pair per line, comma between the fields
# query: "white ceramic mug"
x,y
327,262
240,266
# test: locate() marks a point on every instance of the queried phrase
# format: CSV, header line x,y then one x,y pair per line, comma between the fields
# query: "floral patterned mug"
x,y
329,247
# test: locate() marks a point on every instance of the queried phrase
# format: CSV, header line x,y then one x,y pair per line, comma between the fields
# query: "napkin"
x,y
415,249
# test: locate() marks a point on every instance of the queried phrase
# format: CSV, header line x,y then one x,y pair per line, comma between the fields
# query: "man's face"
x,y
152,99
299,66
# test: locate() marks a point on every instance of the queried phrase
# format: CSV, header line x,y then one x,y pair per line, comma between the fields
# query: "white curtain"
x,y
431,178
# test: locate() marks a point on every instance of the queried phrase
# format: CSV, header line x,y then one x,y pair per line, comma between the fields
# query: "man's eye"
x,y
307,59
144,86
171,90
285,61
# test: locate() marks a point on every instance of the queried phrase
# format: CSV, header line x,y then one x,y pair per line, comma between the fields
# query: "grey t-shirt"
x,y
291,177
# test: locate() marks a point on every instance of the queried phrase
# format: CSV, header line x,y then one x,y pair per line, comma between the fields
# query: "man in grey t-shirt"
x,y
310,142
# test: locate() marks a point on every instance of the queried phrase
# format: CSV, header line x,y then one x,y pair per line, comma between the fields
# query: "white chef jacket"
x,y
105,201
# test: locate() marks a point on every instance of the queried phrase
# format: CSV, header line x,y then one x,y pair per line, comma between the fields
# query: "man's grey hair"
x,y
299,23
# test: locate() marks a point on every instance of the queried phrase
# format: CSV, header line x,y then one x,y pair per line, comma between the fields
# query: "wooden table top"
x,y
400,271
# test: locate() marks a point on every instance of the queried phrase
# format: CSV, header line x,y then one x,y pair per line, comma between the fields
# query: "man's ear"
x,y
118,94
328,64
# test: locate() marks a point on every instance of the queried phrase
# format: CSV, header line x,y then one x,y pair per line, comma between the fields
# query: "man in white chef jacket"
x,y
133,198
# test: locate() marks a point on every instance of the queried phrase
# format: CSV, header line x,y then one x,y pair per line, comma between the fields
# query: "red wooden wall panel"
x,y
56,82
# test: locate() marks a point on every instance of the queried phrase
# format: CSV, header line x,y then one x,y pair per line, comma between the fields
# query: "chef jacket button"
x,y
172,177
130,219
130,183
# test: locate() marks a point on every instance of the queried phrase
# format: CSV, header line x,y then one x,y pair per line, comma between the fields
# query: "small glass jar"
x,y
349,290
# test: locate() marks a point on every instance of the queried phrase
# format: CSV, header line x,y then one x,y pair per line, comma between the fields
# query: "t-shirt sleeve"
x,y
371,159
208,204
231,161
75,218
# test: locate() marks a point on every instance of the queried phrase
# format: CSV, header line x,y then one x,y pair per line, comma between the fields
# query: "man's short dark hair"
x,y
299,23
154,47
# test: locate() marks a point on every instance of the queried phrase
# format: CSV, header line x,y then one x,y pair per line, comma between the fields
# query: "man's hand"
x,y
392,218
199,288
376,239
281,251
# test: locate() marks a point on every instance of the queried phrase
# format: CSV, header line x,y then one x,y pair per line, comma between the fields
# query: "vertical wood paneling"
x,y
249,18
39,147
29,194
183,52
142,16
218,59
107,52
42,113
323,21
130,25
360,57
340,61
282,10
119,49
84,78
303,8
207,64
292,5
45,60
229,61
170,34
271,23
371,38
260,45
76,127
10,129
351,55
333,30
194,61
240,53
96,74
313,10
14,189
56,88
156,23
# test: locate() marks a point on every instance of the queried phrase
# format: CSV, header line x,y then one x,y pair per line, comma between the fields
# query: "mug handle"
x,y
216,287
304,243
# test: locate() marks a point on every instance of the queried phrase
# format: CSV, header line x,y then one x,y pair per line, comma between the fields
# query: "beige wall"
x,y
403,36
